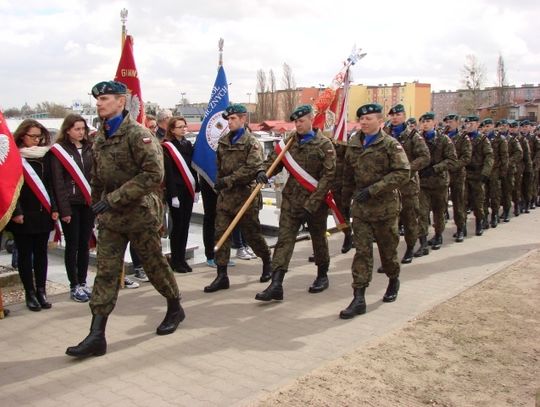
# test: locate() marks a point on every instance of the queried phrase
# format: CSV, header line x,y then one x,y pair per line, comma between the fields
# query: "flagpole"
x,y
123,19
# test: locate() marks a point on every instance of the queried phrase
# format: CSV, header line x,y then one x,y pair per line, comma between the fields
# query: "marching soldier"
x,y
434,181
527,167
312,157
239,160
515,155
478,170
418,155
462,144
126,178
534,147
376,166
514,141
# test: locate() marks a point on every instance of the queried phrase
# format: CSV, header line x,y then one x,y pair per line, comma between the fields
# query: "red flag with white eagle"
x,y
12,179
340,129
128,75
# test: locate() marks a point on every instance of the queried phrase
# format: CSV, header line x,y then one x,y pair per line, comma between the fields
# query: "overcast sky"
x,y
56,51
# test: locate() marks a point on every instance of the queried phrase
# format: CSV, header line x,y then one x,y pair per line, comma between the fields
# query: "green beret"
x,y
525,123
450,116
427,116
397,109
411,120
487,120
368,109
235,108
501,122
513,123
472,118
109,88
300,111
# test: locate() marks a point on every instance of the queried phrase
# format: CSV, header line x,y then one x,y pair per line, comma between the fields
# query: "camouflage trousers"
x,y
344,207
457,195
386,234
476,196
435,200
493,192
518,179
111,246
526,187
507,186
290,221
251,231
533,193
408,217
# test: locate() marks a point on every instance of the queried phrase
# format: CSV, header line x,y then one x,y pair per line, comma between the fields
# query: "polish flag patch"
x,y
147,140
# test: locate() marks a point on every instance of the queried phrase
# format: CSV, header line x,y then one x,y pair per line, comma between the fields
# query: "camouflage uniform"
x,y
534,146
419,157
515,155
318,158
127,172
478,169
337,185
518,169
434,188
498,173
463,147
238,165
383,167
526,177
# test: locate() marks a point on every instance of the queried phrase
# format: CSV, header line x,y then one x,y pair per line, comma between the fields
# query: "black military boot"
x,y
175,314
401,230
465,229
392,290
485,223
275,290
266,271
357,305
321,282
506,215
42,298
380,270
516,209
221,282
532,204
437,242
479,230
459,235
31,301
347,243
525,207
423,250
408,256
431,241
94,344
494,220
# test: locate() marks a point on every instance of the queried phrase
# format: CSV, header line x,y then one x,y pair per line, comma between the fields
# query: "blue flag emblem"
x,y
212,129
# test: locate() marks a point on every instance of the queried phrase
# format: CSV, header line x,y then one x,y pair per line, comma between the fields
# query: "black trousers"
x,y
209,198
77,236
32,259
180,218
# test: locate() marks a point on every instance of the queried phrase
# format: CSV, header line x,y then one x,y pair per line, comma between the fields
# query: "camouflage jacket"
x,y
500,156
462,144
534,147
515,154
382,167
527,161
318,158
482,158
237,166
443,159
128,171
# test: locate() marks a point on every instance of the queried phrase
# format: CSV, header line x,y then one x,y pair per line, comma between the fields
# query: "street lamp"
x,y
249,107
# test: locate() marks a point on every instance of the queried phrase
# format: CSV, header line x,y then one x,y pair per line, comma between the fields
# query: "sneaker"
x,y
130,283
212,263
77,294
140,275
87,290
242,254
250,252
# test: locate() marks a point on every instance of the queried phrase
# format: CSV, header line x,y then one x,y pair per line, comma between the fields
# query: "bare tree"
x,y
474,74
502,83
262,106
272,108
289,85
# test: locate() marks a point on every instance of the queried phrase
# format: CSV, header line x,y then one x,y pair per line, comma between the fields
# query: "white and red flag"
x,y
128,75
11,180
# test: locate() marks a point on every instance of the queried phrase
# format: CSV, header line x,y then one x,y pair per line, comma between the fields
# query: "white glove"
x,y
175,202
197,196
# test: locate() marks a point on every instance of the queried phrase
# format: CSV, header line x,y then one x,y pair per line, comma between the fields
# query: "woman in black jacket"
x,y
178,193
33,218
76,214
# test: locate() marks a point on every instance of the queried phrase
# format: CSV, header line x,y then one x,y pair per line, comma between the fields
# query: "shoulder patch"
x,y
255,146
146,140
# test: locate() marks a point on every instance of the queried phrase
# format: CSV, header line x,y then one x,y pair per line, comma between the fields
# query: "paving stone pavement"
x,y
232,350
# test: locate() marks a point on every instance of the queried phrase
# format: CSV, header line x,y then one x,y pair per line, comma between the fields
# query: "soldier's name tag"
x,y
147,140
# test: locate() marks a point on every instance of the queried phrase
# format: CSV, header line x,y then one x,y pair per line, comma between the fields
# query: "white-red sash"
x,y
182,167
36,185
74,170
309,183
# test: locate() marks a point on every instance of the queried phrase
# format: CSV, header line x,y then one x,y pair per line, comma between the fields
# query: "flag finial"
x,y
123,19
220,45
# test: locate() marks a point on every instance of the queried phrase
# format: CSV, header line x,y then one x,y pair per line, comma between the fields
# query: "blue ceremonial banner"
x,y
212,129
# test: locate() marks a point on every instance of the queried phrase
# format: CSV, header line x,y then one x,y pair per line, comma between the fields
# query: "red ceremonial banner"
x,y
11,179
127,74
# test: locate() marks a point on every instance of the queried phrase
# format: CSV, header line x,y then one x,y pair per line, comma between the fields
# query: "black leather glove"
x,y
101,207
485,179
426,172
261,178
363,195
220,184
